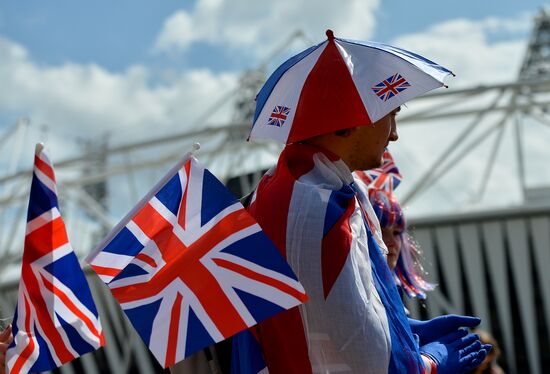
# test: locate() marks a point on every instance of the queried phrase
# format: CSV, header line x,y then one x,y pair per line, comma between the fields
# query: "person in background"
x,y
404,257
490,364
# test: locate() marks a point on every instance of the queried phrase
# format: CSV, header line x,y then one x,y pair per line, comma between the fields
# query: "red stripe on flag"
x,y
379,182
151,222
44,167
173,332
147,259
101,270
56,343
43,318
262,278
278,115
45,239
390,87
363,176
73,308
27,352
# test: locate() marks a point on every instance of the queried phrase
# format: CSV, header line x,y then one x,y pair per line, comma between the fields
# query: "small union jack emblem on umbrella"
x,y
278,116
390,87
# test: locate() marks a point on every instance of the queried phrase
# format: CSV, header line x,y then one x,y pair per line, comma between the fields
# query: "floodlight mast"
x,y
533,79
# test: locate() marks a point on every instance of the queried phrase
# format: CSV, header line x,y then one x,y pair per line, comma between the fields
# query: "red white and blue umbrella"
x,y
340,84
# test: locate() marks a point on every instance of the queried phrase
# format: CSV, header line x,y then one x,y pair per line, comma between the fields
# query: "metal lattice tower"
x,y
250,84
510,105
536,63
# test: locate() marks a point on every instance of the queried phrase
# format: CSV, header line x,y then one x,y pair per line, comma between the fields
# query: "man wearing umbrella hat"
x,y
334,105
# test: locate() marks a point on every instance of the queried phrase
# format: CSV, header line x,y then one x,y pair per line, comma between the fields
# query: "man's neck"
x,y
337,145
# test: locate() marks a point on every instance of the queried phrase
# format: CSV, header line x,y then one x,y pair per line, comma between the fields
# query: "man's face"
x,y
369,142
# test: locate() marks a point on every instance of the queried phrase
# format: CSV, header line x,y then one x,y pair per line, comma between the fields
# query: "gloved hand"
x,y
433,329
457,352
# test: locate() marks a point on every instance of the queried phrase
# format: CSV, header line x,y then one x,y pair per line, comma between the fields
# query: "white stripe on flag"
x,y
193,203
42,219
188,237
54,255
227,285
262,270
45,180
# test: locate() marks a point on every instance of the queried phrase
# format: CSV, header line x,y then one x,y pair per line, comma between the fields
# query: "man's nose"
x,y
393,132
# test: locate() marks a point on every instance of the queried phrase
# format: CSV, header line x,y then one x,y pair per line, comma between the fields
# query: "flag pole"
x,y
38,148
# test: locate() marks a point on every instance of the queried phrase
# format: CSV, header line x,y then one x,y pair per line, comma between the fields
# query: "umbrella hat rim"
x,y
339,84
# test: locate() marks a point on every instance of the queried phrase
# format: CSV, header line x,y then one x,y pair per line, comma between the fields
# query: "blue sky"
x,y
83,69
118,34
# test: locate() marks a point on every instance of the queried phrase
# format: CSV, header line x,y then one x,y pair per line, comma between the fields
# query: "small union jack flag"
x,y
390,87
56,319
278,116
386,177
191,267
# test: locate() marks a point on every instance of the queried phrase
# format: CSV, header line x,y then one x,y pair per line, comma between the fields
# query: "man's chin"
x,y
368,164
374,164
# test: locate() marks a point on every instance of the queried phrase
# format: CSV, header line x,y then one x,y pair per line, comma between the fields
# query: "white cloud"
x,y
86,100
471,48
178,33
247,26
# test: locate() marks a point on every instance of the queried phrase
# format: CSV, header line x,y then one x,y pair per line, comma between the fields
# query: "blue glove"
x,y
457,352
433,329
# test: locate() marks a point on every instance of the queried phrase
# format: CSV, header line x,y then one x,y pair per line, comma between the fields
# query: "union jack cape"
x,y
354,320
55,319
190,267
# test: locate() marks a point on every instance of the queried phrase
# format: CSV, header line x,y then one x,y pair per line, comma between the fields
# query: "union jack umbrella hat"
x,y
339,84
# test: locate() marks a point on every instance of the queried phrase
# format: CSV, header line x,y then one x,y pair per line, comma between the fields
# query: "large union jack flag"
x,y
56,319
386,177
390,87
278,116
191,267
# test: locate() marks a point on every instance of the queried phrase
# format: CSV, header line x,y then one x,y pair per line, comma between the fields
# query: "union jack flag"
x,y
278,116
390,87
191,267
56,319
386,177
